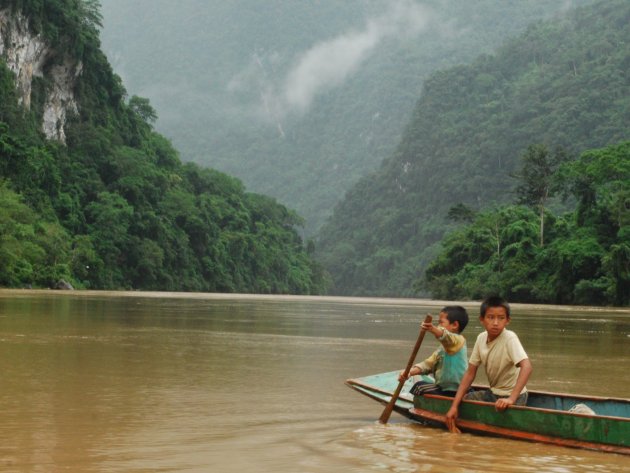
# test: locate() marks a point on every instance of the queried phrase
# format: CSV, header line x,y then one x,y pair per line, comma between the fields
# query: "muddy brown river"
x,y
161,382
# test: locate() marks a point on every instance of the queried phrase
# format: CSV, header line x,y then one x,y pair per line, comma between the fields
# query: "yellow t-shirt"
x,y
499,358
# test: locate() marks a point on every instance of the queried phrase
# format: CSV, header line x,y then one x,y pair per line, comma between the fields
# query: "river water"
x,y
161,382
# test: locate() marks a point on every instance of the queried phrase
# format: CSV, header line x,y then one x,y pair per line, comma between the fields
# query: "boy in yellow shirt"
x,y
507,366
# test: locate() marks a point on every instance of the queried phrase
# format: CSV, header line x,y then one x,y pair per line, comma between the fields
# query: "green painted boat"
x,y
547,418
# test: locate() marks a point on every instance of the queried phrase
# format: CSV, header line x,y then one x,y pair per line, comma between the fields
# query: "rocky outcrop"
x,y
60,99
28,56
64,285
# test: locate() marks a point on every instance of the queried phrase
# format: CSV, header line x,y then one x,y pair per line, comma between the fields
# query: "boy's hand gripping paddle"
x,y
390,407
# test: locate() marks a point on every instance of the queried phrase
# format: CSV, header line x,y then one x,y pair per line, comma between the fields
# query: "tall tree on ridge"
x,y
537,179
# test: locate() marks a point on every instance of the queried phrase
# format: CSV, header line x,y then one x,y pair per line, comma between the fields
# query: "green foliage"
x,y
70,25
536,176
116,208
31,169
491,255
561,83
141,107
31,251
599,181
587,256
461,213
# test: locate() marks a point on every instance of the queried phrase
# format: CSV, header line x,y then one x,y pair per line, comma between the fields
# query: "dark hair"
x,y
456,313
494,301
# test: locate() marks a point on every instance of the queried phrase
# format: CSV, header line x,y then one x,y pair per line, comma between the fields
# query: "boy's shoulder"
x,y
459,336
482,337
509,335
449,334
452,342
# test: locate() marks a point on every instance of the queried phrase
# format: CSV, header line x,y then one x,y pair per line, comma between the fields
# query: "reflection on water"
x,y
124,382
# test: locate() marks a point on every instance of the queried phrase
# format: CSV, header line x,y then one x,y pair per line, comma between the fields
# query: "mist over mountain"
x,y
298,99
563,83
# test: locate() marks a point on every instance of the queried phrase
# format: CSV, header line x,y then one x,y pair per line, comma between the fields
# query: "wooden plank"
x,y
468,425
549,422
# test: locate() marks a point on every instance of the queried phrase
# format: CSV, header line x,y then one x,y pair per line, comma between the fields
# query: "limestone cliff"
x,y
27,55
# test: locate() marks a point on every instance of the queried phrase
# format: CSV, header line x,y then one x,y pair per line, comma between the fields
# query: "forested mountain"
x,y
564,82
92,195
298,98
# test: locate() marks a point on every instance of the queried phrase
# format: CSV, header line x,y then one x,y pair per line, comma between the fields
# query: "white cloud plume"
x,y
330,63
327,64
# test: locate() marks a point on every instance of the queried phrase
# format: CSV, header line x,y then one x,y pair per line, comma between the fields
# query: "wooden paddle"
x,y
390,407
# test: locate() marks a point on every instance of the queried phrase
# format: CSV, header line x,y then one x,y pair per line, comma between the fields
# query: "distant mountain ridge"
x,y
214,69
562,83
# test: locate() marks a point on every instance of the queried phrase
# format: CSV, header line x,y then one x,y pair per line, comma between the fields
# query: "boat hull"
x,y
545,419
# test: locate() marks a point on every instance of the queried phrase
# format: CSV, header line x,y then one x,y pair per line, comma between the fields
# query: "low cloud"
x,y
330,63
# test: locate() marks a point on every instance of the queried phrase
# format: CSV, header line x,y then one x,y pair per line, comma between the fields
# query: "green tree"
x,y
142,107
109,218
495,253
32,251
461,213
600,181
537,179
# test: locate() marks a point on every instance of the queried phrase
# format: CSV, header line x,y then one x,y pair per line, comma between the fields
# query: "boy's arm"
x,y
420,368
467,379
526,370
452,342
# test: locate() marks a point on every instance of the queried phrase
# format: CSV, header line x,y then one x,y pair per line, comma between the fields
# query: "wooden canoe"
x,y
546,418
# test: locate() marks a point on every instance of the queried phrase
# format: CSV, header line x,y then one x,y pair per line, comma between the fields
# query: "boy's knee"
x,y
521,400
484,395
